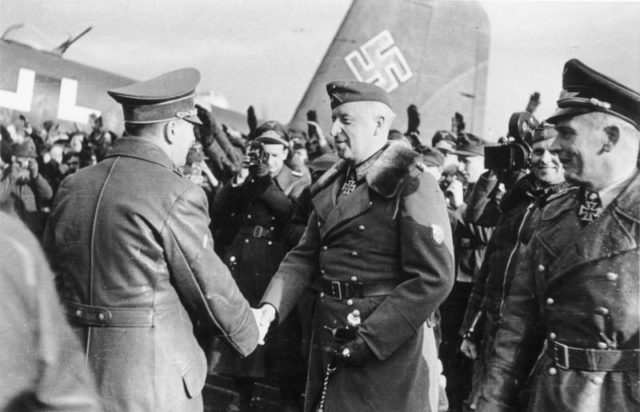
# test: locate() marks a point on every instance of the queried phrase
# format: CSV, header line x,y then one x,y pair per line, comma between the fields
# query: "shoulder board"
x,y
296,173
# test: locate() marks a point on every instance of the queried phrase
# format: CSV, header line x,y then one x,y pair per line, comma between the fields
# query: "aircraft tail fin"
x,y
429,53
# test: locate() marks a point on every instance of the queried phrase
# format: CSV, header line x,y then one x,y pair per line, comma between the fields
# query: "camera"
x,y
515,154
507,156
257,154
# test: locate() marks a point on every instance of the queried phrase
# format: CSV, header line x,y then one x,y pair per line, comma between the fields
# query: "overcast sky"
x,y
264,52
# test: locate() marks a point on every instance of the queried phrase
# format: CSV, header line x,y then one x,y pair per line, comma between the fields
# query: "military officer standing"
x,y
378,251
129,240
259,202
575,302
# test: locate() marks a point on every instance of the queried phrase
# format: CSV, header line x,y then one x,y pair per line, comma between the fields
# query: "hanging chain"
x,y
330,370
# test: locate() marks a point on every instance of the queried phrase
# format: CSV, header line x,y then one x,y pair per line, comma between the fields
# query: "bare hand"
x,y
263,316
242,174
455,191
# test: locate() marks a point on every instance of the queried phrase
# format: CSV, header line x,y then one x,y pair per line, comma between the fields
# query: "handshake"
x,y
263,316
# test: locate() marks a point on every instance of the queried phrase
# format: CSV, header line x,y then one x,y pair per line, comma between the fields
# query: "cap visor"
x,y
272,140
193,120
567,112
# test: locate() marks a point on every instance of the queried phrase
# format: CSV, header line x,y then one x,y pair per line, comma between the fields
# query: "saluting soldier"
x,y
260,200
378,251
575,297
129,239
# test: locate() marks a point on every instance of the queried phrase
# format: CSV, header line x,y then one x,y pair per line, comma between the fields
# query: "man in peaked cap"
x,y
483,309
130,243
575,304
378,252
256,206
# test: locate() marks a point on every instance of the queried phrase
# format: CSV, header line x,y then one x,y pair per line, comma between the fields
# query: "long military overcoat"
x,y
260,213
393,228
129,240
578,287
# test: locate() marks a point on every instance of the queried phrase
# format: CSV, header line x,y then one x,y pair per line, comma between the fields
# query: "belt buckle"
x,y
564,364
258,232
335,286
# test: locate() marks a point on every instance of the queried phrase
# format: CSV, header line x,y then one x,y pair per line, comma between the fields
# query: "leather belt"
x,y
610,360
347,290
98,316
258,232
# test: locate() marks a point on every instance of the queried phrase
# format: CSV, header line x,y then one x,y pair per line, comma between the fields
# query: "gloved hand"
x,y
208,126
354,352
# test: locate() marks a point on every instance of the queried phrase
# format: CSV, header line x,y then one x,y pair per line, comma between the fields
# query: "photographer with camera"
x,y
256,205
23,190
508,161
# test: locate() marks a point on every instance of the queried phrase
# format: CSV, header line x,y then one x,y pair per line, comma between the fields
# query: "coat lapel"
x,y
325,200
355,204
614,232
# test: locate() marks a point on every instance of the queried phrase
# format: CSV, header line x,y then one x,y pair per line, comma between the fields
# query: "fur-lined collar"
x,y
386,174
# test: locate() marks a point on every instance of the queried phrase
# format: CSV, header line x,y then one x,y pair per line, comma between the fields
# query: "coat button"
x,y
322,271
321,295
361,228
541,268
273,218
349,302
324,247
550,301
248,216
354,278
319,224
597,380
272,228
602,345
354,253
232,259
552,336
553,371
78,313
612,276
246,241
602,311
101,316
269,243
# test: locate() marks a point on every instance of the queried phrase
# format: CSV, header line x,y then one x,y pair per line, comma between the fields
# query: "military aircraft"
x,y
417,50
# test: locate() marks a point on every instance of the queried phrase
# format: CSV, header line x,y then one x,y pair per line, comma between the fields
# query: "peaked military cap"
x,y
271,132
432,157
585,90
444,140
347,91
544,131
163,98
470,145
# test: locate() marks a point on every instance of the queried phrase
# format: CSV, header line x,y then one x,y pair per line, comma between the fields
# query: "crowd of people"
x,y
357,268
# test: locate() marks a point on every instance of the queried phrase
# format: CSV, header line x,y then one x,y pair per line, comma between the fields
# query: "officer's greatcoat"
x,y
392,233
130,242
260,212
577,288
